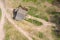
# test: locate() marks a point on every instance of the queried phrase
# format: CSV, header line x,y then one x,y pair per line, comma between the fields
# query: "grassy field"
x,y
40,35
35,12
12,33
36,9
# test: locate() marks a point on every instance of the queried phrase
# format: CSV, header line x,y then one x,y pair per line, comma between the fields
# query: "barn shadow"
x,y
14,13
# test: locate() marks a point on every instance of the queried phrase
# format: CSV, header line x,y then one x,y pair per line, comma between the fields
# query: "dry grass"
x,y
0,13
12,33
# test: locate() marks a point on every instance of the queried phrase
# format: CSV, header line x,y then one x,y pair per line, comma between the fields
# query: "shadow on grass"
x,y
56,3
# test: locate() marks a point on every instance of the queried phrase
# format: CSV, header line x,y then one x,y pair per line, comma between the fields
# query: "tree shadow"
x,y
56,3
55,18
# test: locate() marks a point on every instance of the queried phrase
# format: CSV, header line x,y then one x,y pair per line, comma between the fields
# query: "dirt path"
x,y
25,33
2,33
41,20
45,28
12,22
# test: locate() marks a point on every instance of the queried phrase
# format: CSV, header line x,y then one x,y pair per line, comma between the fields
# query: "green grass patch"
x,y
42,17
43,0
34,12
50,1
37,23
30,0
40,35
12,33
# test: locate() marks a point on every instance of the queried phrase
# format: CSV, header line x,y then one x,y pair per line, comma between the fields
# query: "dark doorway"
x,y
14,13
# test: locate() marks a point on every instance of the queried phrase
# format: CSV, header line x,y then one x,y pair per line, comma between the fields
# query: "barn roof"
x,y
21,13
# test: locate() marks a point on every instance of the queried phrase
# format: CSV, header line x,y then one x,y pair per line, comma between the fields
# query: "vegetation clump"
x,y
37,23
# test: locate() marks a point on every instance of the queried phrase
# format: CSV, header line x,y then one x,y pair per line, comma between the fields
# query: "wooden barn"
x,y
20,13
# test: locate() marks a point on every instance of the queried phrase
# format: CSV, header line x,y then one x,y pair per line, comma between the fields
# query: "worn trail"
x,y
2,34
12,22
